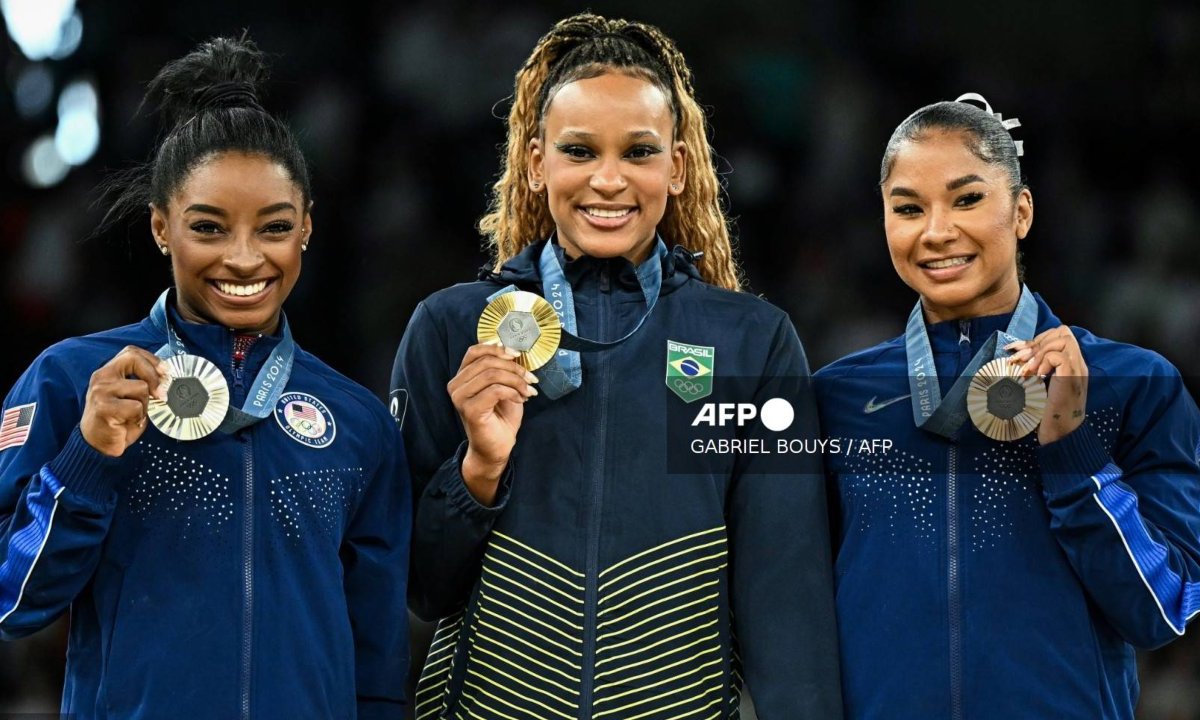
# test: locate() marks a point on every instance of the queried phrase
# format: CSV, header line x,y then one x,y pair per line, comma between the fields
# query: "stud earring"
x,y
164,250
304,247
535,186
675,188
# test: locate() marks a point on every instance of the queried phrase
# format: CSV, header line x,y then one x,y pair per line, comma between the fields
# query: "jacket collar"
x,y
214,342
945,336
523,269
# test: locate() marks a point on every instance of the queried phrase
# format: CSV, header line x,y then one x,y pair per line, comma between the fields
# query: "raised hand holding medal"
x,y
1055,353
114,411
489,393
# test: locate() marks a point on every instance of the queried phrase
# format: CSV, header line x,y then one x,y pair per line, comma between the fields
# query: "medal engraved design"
x,y
522,321
197,399
1004,405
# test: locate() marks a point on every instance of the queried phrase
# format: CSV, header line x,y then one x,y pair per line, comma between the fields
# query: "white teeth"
x,y
241,290
949,262
599,212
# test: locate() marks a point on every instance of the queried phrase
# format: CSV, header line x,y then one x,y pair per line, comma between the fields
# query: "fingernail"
x,y
530,391
530,377
161,392
164,369
512,353
1012,345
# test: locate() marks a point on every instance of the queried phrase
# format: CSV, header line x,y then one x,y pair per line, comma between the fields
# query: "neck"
x,y
636,255
998,302
192,316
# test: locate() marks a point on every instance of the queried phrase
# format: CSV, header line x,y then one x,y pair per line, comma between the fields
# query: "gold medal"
x,y
197,399
522,321
1004,405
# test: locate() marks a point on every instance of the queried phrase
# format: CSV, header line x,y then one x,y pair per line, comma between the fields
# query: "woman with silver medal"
x,y
243,554
1036,515
571,572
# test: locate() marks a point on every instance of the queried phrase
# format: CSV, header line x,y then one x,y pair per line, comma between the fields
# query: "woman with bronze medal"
x,y
1037,513
573,574
243,553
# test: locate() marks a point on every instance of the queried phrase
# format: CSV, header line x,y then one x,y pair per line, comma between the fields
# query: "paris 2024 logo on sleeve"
x,y
305,419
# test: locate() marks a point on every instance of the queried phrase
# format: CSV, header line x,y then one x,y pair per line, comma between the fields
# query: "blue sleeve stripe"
x,y
1178,601
25,546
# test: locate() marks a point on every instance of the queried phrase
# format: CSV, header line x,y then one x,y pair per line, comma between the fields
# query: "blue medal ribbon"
x,y
944,416
564,372
268,385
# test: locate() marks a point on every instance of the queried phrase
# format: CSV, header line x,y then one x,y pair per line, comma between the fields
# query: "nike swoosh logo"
x,y
872,406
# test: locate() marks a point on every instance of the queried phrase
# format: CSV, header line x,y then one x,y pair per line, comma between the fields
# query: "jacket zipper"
x,y
954,589
595,498
247,546
954,586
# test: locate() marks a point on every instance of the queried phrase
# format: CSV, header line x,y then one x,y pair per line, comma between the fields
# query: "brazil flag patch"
x,y
690,370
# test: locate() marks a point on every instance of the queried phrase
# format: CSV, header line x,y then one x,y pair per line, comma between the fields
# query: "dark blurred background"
x,y
397,105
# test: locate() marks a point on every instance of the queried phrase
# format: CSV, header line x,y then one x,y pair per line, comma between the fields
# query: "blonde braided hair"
x,y
518,217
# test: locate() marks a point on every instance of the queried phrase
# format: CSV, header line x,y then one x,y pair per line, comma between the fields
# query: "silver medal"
x,y
197,399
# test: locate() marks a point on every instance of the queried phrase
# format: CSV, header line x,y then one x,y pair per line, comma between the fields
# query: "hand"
x,y
1056,353
489,393
114,411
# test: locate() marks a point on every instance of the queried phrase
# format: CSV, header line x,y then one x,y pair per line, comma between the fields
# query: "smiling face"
x,y
235,231
952,227
608,161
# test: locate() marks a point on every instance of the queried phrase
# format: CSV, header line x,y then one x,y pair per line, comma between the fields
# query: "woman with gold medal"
x,y
1037,514
574,574
225,517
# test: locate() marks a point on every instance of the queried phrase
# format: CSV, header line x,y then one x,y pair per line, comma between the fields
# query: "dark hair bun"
x,y
220,73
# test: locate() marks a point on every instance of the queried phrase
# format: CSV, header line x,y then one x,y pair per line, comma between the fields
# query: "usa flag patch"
x,y
15,427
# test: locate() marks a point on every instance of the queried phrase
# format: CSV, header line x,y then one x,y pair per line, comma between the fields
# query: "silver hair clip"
x,y
1006,124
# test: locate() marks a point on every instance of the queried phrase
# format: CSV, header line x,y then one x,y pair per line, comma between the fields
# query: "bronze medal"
x,y
1004,405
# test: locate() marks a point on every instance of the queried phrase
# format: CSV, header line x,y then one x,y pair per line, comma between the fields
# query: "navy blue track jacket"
x,y
260,574
982,579
600,584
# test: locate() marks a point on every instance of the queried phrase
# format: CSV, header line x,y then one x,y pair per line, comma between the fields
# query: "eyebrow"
x,y
631,135
271,209
209,209
964,180
213,210
952,185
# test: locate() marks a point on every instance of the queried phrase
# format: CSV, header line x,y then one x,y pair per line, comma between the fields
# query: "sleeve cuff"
x,y
455,489
86,472
1070,462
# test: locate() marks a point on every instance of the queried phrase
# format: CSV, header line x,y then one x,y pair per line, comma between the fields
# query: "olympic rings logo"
x,y
687,386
